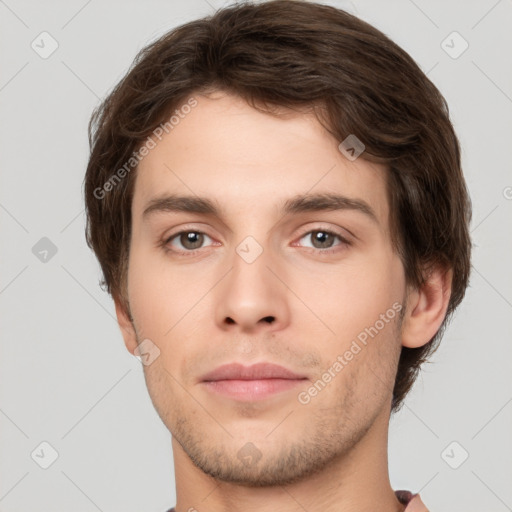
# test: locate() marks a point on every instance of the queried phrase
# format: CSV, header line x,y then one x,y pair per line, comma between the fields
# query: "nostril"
x,y
269,319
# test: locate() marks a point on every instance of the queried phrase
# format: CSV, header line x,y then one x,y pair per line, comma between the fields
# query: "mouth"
x,y
250,390
250,383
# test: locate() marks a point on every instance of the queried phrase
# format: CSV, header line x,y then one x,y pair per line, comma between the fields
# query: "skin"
x,y
208,308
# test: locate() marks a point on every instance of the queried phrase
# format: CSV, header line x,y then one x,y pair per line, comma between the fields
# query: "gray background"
x,y
66,377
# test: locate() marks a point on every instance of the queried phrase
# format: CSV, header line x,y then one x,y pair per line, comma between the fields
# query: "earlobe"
x,y
126,326
426,308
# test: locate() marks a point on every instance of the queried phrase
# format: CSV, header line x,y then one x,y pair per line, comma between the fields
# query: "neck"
x,y
358,480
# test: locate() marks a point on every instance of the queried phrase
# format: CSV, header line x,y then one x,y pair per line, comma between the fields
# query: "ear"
x,y
126,326
426,308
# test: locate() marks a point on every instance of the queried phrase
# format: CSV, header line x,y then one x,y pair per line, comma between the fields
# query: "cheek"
x,y
160,294
352,295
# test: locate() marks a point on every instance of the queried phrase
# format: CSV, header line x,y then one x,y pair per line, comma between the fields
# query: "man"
x,y
275,196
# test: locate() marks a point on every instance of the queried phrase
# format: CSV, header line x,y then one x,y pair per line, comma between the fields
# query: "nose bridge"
x,y
251,294
250,265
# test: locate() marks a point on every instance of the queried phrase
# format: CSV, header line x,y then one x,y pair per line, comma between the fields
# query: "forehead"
x,y
228,151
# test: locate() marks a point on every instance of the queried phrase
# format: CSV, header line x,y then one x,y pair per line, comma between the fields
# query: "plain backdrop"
x,y
66,379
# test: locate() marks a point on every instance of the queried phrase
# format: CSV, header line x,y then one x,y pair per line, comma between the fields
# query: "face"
x,y
255,273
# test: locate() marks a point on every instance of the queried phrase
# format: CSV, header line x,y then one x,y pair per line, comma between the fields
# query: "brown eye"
x,y
322,239
187,241
191,240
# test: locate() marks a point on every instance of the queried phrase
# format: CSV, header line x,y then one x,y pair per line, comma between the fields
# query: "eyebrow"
x,y
298,204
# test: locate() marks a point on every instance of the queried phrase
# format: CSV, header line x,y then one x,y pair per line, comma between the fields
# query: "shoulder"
x,y
413,501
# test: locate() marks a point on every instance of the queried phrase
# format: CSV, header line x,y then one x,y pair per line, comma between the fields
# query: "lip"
x,y
237,371
249,383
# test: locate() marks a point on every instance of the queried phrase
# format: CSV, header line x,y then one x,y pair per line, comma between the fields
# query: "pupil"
x,y
323,238
191,240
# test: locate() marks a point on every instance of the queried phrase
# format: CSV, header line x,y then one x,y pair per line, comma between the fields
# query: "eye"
x,y
323,239
187,241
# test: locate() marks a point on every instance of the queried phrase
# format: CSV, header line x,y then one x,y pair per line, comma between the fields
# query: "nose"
x,y
253,297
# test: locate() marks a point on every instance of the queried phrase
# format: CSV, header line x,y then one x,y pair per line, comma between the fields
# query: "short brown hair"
x,y
297,55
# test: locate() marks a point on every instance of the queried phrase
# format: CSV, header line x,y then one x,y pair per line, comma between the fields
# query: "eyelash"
x,y
165,243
